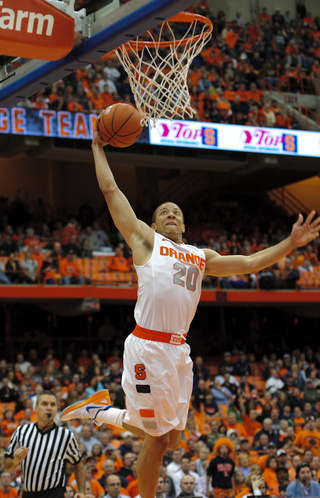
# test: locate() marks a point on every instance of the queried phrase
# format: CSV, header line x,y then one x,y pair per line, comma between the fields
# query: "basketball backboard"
x,y
104,30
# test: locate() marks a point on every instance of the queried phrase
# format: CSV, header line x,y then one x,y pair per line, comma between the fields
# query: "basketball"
x,y
120,125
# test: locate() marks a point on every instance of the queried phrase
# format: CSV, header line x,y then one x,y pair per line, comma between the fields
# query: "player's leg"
x,y
174,439
149,463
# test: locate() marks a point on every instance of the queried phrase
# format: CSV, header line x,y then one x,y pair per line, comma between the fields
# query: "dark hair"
x,y
271,457
301,466
220,427
48,393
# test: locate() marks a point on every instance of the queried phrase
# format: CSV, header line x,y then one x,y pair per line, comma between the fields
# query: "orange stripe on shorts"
x,y
147,413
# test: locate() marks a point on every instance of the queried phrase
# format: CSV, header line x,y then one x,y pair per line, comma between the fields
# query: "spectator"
x,y
308,438
118,262
303,485
274,383
5,488
221,395
30,268
14,271
185,471
221,470
70,270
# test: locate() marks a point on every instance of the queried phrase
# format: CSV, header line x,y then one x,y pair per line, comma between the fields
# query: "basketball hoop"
x,y
158,77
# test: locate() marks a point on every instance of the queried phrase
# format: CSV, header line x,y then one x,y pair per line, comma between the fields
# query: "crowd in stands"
x,y
34,249
227,80
261,413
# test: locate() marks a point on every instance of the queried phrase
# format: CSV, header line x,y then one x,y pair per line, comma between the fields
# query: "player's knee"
x,y
174,440
160,443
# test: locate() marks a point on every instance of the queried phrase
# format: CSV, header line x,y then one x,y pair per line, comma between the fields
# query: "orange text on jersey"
x,y
187,258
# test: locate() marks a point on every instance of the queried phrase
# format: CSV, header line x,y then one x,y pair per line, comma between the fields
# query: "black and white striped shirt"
x,y
44,466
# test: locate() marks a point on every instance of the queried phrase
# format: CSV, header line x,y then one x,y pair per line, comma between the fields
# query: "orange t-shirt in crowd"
x,y
117,263
238,488
66,233
308,20
31,242
262,461
69,268
39,258
230,95
107,99
283,372
20,416
254,457
75,107
240,430
307,440
264,17
13,493
133,488
243,94
283,123
98,101
245,491
270,476
8,427
251,426
255,96
231,39
96,487
298,423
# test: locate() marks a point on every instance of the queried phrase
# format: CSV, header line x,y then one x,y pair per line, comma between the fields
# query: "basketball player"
x,y
157,375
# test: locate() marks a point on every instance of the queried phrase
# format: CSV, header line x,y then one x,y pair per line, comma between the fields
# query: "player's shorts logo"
x,y
177,339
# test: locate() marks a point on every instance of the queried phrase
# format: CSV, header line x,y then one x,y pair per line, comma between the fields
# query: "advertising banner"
x,y
189,134
35,29
49,123
235,138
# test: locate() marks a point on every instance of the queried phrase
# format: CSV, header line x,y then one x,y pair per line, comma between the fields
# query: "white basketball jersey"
x,y
169,286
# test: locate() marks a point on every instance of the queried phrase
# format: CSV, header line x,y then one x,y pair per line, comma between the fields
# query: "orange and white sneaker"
x,y
89,408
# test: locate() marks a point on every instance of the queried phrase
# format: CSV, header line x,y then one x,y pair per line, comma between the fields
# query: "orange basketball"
x,y
120,125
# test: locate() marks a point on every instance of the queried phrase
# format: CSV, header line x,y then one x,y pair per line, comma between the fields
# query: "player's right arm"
x,y
137,234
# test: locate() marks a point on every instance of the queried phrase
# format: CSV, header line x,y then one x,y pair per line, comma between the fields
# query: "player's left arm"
x,y
301,234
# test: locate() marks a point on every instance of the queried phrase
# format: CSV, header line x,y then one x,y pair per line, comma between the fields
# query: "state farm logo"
x,y
34,29
10,19
261,137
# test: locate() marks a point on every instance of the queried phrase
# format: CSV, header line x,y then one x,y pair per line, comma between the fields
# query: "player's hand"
x,y
96,138
304,233
20,454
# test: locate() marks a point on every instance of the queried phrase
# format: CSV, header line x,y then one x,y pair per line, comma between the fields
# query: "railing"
x,y
95,272
288,201
288,100
300,82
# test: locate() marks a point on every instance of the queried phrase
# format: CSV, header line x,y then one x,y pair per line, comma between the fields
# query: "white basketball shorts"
x,y
157,381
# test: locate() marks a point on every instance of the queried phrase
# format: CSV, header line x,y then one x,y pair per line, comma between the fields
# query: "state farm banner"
x,y
235,138
34,29
49,123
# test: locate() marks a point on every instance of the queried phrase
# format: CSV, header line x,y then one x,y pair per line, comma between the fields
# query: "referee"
x,y
42,451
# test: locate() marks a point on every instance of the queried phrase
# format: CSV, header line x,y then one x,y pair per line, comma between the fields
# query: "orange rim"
x,y
182,17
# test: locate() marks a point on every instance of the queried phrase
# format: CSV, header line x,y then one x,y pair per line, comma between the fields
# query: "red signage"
x,y
34,29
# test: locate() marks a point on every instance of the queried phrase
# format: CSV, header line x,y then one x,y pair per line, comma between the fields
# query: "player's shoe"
x,y
89,408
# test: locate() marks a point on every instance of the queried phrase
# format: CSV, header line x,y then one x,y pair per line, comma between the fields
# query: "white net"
x,y
158,70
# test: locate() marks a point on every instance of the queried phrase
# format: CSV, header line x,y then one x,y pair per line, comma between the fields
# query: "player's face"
x,y
169,221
